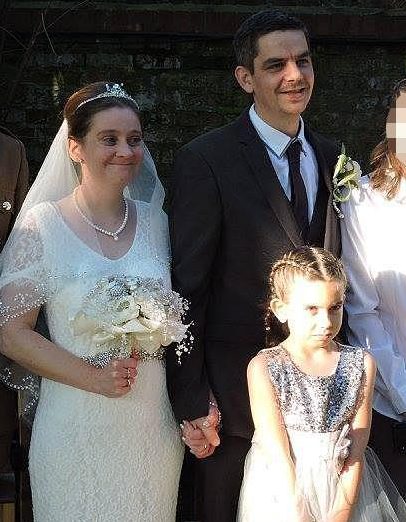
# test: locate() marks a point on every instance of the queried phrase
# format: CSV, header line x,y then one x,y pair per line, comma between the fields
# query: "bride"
x,y
105,445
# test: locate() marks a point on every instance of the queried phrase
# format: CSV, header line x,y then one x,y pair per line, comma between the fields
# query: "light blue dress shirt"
x,y
276,143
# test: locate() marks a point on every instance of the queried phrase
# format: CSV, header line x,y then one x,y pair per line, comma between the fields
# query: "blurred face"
x,y
112,149
282,81
313,311
396,128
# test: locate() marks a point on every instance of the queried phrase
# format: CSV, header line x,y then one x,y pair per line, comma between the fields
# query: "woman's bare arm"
x,y
31,350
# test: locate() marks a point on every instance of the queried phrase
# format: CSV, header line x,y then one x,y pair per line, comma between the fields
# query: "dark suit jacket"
x,y
230,220
13,181
13,188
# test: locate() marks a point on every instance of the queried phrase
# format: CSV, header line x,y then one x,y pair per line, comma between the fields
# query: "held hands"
x,y
201,435
115,379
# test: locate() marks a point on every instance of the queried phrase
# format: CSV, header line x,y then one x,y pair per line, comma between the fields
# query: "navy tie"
x,y
298,200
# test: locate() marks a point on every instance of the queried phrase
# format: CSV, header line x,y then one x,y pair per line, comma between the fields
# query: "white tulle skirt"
x,y
317,458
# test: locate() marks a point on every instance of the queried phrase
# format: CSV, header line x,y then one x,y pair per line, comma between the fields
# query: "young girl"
x,y
311,404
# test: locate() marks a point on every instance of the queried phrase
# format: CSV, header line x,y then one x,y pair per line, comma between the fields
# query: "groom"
x,y
243,195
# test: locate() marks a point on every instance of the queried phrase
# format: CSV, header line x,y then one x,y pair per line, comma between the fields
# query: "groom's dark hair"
x,y
246,38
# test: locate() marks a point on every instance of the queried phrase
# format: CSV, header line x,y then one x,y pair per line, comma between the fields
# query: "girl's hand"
x,y
115,379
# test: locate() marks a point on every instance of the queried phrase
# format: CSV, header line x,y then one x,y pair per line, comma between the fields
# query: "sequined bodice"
x,y
312,403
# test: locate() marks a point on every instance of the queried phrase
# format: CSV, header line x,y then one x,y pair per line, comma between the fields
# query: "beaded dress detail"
x,y
93,458
313,403
316,412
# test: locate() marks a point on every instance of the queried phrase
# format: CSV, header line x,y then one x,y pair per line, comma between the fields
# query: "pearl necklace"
x,y
109,233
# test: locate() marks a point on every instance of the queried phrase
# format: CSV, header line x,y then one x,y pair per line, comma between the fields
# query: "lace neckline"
x,y
309,375
59,216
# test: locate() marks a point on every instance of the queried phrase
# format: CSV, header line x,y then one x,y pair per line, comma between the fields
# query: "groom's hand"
x,y
201,435
194,438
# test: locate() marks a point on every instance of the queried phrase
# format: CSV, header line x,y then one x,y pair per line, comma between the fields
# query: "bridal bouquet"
x,y
122,315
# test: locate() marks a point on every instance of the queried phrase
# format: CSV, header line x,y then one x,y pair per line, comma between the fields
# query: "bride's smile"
x,y
112,149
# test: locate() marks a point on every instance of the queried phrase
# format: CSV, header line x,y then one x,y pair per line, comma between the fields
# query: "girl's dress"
x,y
316,412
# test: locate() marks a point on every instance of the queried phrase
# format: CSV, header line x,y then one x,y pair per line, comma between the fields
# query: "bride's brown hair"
x,y
80,109
312,263
387,169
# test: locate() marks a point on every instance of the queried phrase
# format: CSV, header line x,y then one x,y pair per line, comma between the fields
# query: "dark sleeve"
x,y
194,221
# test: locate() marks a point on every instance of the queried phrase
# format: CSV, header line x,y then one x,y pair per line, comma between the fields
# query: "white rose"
x,y
127,308
357,170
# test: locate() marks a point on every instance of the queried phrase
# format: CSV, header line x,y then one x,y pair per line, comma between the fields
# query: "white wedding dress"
x,y
93,458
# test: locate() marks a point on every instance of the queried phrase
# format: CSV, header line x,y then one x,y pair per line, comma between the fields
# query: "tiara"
x,y
115,91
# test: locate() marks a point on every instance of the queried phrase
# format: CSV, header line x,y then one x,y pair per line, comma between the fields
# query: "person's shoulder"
x,y
213,139
140,204
268,364
358,350
41,212
7,132
8,139
265,356
350,349
208,138
360,354
369,365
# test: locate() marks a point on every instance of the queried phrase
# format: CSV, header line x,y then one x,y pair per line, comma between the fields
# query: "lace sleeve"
x,y
24,284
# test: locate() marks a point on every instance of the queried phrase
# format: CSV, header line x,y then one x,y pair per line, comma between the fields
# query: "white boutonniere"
x,y
347,174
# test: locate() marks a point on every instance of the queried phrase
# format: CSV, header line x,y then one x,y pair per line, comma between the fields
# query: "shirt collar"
x,y
276,140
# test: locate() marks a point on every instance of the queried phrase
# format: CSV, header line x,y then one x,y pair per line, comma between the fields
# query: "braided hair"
x,y
312,263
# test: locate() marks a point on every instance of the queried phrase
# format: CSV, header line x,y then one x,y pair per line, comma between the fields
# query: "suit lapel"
x,y
257,158
324,169
332,234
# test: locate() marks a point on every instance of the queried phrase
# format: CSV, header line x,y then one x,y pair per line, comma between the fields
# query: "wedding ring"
x,y
206,424
205,447
129,383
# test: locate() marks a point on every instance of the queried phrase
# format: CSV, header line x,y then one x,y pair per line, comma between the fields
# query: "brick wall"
x,y
176,59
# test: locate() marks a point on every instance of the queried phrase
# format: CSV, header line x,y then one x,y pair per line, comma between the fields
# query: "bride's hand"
x,y
116,379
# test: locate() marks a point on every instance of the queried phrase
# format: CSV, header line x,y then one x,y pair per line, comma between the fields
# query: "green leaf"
x,y
349,177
